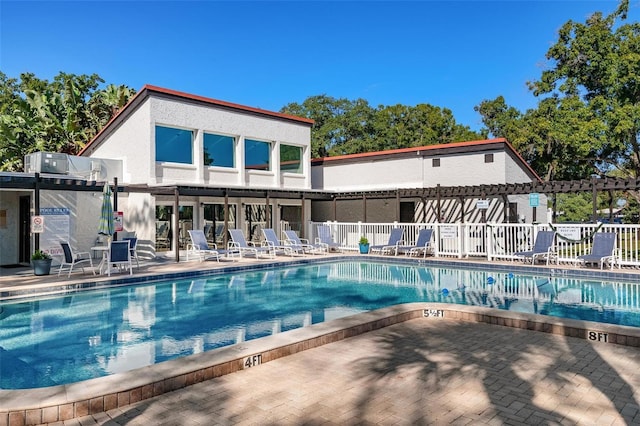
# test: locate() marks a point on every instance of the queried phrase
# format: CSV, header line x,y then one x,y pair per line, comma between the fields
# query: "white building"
x,y
187,162
473,163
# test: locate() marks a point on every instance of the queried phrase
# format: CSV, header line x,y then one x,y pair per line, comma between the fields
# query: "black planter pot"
x,y
41,266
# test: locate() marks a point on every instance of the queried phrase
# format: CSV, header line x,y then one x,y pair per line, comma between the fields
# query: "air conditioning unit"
x,y
47,162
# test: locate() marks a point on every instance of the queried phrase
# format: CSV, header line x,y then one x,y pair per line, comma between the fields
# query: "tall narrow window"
x,y
174,145
435,162
218,150
290,159
257,155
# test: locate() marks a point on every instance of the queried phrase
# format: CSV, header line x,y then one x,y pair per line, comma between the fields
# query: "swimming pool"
x,y
87,334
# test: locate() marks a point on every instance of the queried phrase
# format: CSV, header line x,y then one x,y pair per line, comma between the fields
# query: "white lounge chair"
x,y
303,245
324,238
199,246
239,243
73,258
275,244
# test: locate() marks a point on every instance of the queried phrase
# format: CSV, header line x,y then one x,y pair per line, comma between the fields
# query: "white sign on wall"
x,y
448,232
482,204
37,224
56,229
569,232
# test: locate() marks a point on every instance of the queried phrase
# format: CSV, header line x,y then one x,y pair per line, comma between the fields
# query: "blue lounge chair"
x,y
422,246
200,247
602,250
303,245
324,238
395,240
239,244
542,248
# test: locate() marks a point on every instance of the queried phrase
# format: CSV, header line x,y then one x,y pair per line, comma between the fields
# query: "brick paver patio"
x,y
416,372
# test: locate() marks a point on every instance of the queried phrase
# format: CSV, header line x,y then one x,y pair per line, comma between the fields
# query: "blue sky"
x,y
266,54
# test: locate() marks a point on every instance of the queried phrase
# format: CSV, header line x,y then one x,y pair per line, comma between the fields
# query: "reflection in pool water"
x,y
82,335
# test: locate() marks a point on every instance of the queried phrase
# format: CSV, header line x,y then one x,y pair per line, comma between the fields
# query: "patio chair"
x,y
422,246
200,247
603,250
119,256
73,258
302,244
239,244
542,248
275,244
324,238
395,240
133,245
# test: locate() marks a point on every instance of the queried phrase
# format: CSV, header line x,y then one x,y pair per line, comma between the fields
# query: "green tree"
x,y
598,62
350,127
57,116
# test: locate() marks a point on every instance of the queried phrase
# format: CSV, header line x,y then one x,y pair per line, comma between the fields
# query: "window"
x,y
435,162
174,145
218,150
290,159
257,155
488,158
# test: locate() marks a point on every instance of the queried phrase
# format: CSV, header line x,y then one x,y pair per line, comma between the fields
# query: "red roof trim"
x,y
226,104
391,152
148,89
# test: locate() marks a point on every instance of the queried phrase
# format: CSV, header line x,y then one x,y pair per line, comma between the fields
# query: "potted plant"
x,y
364,245
41,262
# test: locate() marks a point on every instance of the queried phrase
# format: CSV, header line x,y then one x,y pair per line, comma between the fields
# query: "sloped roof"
x,y
429,150
149,90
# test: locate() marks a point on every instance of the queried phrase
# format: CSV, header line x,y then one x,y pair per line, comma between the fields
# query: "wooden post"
x,y
176,222
225,239
364,207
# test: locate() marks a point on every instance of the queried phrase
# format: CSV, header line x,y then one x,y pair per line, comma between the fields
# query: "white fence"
x,y
491,240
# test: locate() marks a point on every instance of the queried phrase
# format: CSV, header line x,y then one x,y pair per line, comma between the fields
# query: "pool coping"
x,y
65,402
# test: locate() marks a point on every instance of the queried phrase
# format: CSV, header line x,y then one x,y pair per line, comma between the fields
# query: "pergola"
x,y
37,182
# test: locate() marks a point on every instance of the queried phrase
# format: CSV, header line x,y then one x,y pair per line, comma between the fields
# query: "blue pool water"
x,y
87,334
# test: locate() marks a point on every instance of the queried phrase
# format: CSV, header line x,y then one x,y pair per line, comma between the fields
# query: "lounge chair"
x,y
276,245
73,258
302,244
119,256
200,247
422,246
395,240
542,248
239,244
602,250
324,238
